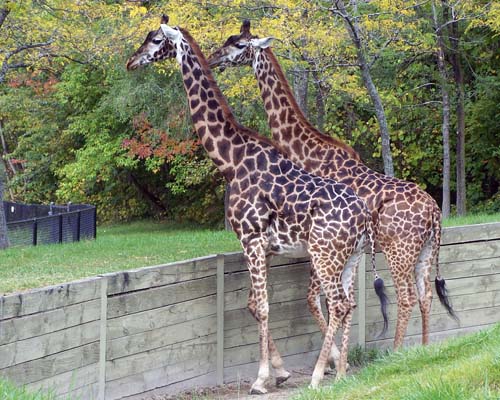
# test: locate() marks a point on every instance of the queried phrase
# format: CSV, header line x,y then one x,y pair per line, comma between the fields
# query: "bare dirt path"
x,y
239,391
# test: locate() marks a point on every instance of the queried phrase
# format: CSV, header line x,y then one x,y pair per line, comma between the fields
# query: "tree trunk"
x,y
300,88
445,128
353,29
4,239
458,77
3,15
320,103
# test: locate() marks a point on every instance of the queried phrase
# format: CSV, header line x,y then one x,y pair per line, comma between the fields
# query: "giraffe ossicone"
x,y
274,206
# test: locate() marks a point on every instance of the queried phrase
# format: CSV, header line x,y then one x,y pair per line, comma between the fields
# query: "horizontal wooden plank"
x,y
45,345
235,262
470,233
202,348
55,364
45,322
68,382
49,298
134,302
461,286
160,275
464,302
162,337
278,329
166,377
276,293
161,317
471,252
441,322
459,269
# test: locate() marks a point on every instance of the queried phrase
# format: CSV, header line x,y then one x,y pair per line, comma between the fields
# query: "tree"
x,y
4,239
446,111
354,31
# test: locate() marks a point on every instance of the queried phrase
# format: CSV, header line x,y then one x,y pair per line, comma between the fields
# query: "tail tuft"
x,y
442,293
378,284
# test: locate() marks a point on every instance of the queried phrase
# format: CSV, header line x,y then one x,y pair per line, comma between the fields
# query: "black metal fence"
x,y
33,224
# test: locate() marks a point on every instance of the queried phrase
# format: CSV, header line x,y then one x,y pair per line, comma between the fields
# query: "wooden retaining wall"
x,y
183,325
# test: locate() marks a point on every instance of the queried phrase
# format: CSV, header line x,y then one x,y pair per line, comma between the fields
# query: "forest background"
x,y
413,86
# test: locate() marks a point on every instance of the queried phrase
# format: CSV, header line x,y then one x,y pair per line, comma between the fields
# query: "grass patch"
x,y
117,248
8,391
126,246
466,368
471,219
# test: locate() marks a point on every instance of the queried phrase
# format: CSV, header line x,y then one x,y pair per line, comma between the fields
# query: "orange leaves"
x,y
150,142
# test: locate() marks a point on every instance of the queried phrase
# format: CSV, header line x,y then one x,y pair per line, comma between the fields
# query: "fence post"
x,y
102,338
78,223
220,320
35,232
60,228
95,222
362,301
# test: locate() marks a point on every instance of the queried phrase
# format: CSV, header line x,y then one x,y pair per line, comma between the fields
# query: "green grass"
x,y
125,246
8,391
466,368
471,219
119,247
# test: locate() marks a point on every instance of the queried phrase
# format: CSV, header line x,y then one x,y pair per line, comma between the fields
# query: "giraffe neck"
x,y
221,136
300,140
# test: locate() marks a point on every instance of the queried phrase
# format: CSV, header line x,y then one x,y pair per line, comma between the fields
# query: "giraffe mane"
x,y
300,115
226,109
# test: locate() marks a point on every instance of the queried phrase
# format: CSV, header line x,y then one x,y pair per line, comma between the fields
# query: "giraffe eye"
x,y
157,41
239,45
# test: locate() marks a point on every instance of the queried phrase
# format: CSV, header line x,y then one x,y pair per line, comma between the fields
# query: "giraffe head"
x,y
239,49
158,45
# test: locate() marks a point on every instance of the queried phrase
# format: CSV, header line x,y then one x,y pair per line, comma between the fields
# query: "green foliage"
x,y
69,119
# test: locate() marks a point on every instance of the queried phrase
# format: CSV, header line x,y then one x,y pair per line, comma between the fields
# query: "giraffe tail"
x,y
441,289
378,282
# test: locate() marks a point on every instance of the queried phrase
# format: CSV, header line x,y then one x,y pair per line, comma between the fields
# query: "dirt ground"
x,y
239,390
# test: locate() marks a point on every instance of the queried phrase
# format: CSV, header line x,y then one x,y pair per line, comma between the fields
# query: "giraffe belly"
x,y
287,244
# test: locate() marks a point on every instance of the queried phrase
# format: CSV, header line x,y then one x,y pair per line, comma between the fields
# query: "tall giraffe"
x,y
274,206
407,219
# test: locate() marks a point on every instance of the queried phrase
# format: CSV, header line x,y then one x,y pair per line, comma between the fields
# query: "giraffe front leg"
x,y
281,373
259,307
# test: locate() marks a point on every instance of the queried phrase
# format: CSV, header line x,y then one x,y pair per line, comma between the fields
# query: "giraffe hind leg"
x,y
402,265
314,303
424,288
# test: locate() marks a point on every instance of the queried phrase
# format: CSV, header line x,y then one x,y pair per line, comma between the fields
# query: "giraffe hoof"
x,y
257,390
283,378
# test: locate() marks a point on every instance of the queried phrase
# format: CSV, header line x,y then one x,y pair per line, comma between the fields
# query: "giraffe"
x,y
407,220
274,206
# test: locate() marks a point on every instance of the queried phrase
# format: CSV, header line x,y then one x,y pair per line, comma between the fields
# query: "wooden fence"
x,y
185,325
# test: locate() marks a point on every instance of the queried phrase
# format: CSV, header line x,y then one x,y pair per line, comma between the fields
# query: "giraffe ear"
x,y
169,32
164,19
263,43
